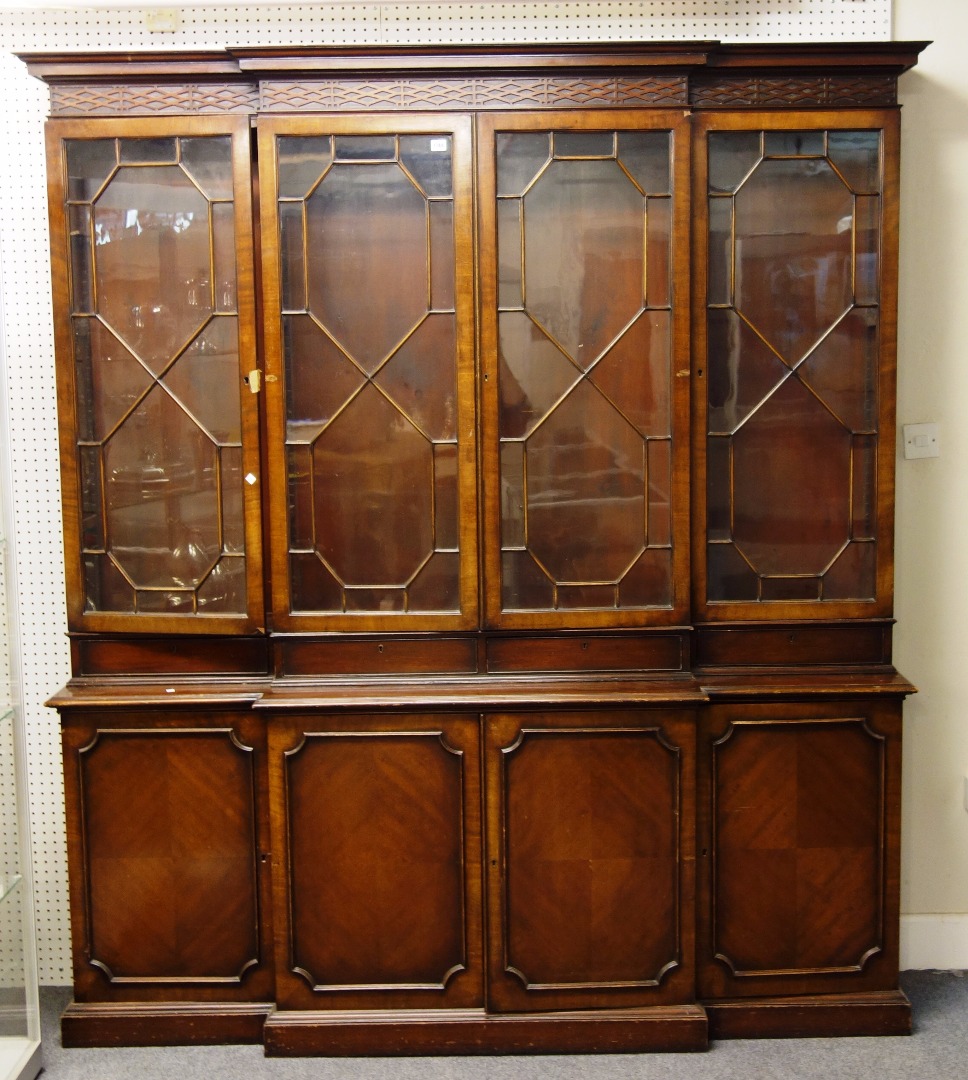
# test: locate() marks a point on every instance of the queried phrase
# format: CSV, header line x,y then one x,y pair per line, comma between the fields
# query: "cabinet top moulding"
x,y
702,74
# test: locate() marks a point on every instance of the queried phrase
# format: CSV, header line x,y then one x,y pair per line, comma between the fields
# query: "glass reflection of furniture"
x,y
564,418
20,1053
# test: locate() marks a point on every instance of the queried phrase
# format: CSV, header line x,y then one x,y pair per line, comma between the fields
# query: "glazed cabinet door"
x,y
376,833
799,823
796,304
590,859
167,835
584,364
367,240
155,333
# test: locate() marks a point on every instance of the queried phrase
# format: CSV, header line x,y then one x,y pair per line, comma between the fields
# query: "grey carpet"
x,y
938,1050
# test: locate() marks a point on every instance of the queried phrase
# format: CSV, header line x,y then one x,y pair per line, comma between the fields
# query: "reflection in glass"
x,y
368,269
584,377
157,374
792,332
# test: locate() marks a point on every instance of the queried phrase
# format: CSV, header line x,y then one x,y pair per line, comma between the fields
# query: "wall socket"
x,y
162,20
921,440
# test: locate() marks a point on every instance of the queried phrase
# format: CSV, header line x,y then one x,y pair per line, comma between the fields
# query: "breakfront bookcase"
x,y
478,492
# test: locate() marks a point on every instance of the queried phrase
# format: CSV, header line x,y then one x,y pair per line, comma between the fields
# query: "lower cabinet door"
x,y
376,834
799,826
166,828
590,858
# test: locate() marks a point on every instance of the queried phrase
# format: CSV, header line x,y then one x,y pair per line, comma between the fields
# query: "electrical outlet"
x,y
921,440
163,20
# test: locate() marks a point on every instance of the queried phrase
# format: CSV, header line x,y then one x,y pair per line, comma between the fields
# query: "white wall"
x,y
931,642
932,574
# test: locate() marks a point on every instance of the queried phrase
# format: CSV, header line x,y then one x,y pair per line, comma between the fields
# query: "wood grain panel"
x,y
170,847
800,863
587,837
381,895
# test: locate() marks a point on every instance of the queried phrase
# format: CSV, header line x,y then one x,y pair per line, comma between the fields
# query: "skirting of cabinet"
x,y
886,1012
346,1034
143,1023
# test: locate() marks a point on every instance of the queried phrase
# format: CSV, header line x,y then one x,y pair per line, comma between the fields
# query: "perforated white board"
x,y
25,285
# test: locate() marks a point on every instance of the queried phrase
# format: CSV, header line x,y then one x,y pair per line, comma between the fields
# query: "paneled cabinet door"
x,y
799,821
584,365
590,859
797,230
151,229
169,891
367,240
376,834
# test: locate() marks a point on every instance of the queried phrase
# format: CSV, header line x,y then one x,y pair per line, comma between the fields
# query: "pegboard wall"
x,y
25,282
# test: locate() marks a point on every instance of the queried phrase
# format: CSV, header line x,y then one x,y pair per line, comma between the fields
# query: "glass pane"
x,y
658,273
867,228
793,253
728,575
524,586
649,582
854,575
312,584
437,586
223,591
806,588
732,154
153,243
376,599
793,143
512,495
206,381
365,147
578,144
300,498
742,371
791,484
163,508
109,381
302,161
105,587
442,281
292,256
368,258
208,161
720,280
223,242
863,488
582,267
89,163
585,498
446,523
233,516
148,151
660,492
92,536
510,278
428,159
586,596
647,157
857,157
319,378
374,494
82,260
719,489
635,373
520,156
420,377
534,374
842,370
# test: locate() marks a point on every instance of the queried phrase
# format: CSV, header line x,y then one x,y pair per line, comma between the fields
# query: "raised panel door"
x,y
376,825
168,825
589,859
798,827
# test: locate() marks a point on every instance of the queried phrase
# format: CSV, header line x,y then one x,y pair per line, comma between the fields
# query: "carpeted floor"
x,y
938,1050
